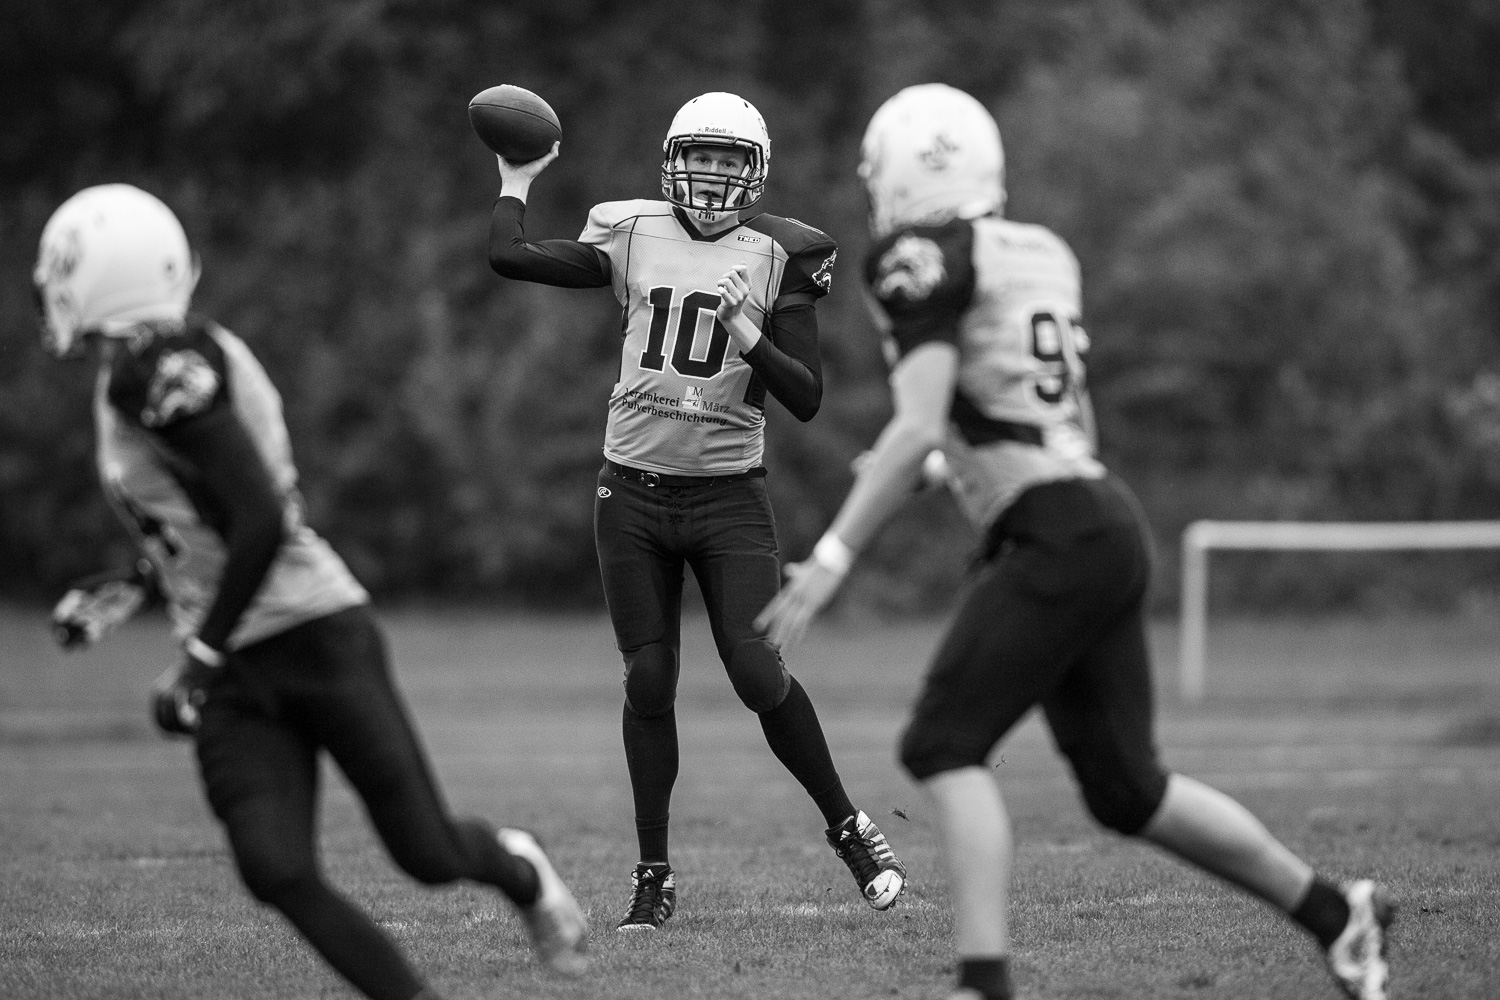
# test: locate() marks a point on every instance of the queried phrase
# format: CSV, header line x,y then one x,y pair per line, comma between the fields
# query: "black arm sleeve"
x,y
786,359
217,445
565,263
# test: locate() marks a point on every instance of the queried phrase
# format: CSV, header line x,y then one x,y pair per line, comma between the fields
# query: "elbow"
x,y
807,404
807,410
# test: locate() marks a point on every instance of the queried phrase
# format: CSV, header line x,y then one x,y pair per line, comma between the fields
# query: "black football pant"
x,y
724,530
326,685
1053,618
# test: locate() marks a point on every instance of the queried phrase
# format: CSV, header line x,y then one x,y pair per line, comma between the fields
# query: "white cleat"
x,y
1357,956
881,877
559,930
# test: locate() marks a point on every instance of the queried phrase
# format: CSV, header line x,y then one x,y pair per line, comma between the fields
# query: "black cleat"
x,y
653,897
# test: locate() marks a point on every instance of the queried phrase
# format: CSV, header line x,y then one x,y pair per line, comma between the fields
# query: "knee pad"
x,y
926,750
276,882
758,675
651,679
1120,792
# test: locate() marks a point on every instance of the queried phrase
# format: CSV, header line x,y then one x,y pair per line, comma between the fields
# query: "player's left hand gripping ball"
x,y
178,694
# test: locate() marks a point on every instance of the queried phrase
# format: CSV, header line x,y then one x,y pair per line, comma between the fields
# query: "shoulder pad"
x,y
795,237
612,213
161,379
913,262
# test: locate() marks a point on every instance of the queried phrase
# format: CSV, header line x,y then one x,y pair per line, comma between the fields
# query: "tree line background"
x,y
1287,213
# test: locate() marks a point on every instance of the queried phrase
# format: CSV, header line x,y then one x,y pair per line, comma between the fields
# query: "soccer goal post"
x,y
1200,537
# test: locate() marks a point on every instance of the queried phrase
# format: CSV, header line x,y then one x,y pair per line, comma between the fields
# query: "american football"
x,y
514,122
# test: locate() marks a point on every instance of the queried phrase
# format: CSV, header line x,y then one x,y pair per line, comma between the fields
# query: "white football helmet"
x,y
716,119
931,153
111,256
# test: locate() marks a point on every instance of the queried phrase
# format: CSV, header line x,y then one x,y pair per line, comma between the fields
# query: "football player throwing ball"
x,y
719,304
281,657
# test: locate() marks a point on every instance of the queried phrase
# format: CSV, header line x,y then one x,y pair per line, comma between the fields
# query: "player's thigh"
x,y
641,573
734,559
1106,699
260,776
361,719
1005,649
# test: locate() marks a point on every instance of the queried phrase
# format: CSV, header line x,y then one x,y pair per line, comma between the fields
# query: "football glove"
x,y
95,606
178,694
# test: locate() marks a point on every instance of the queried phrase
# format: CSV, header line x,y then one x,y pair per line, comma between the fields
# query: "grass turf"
x,y
1369,746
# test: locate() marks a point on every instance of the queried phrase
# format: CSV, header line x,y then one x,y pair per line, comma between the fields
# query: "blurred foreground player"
x,y
282,657
719,310
982,316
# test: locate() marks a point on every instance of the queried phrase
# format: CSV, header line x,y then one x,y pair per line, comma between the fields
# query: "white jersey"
x,y
152,383
686,403
1007,295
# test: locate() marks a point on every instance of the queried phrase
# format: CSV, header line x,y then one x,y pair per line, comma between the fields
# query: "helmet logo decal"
x,y
911,268
939,155
62,257
184,384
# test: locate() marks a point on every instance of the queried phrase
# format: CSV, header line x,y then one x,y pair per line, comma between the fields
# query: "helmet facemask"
x,y
708,194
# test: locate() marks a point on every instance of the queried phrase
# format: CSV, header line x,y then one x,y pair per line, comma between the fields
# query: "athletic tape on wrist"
x,y
832,554
203,652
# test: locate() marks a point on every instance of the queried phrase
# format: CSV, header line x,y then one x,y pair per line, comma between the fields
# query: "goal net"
x,y
1202,537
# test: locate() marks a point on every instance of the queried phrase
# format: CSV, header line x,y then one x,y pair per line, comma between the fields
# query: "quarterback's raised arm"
x,y
564,263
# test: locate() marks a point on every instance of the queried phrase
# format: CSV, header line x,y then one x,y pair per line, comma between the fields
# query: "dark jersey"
x,y
1006,295
160,382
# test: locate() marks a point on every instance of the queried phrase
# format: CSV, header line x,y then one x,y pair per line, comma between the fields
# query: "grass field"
x,y
1367,745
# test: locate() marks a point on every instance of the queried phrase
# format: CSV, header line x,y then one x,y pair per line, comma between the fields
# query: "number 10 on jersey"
x,y
694,305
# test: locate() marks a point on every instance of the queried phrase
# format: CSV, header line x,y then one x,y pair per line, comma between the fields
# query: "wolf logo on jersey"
x,y
686,403
911,268
184,383
1020,412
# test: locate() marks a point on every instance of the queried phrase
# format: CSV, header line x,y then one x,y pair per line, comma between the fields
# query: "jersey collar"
x,y
696,234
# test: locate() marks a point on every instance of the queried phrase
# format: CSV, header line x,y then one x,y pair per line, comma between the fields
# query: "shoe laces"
x,y
646,893
866,852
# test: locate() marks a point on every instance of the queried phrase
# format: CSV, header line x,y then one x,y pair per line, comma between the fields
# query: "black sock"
x,y
796,738
990,976
651,759
1323,911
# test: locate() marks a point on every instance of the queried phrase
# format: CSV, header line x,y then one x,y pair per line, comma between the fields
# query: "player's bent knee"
x,y
278,884
759,677
926,751
430,866
1122,798
651,679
